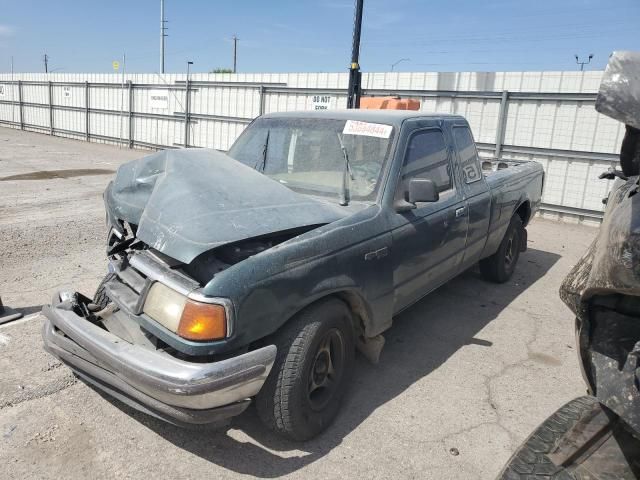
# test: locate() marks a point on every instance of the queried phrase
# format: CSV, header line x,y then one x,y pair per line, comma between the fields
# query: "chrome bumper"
x,y
150,380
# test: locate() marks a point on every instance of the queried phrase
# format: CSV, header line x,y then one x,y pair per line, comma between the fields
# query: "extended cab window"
x,y
427,157
468,154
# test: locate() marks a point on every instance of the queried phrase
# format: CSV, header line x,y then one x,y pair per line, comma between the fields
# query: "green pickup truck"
x,y
256,274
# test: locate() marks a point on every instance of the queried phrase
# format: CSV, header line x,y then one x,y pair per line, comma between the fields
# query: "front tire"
x,y
500,266
311,373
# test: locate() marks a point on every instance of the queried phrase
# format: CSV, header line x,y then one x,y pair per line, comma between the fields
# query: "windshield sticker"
x,y
353,127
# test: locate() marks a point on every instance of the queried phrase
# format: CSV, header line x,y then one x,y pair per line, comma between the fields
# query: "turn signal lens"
x,y
202,321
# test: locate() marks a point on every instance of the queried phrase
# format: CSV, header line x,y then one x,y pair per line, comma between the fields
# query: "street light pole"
x,y
235,53
582,64
163,29
401,60
186,107
355,76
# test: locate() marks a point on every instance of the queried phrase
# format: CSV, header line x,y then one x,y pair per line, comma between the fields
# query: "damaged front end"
x,y
133,366
153,337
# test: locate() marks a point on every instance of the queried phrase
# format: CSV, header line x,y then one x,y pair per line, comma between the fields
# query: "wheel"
x,y
100,298
311,373
500,266
530,460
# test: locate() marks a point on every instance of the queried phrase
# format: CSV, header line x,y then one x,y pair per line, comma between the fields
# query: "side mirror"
x,y
422,190
419,190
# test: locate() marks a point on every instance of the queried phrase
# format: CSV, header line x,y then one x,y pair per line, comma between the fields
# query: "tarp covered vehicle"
x,y
598,436
256,274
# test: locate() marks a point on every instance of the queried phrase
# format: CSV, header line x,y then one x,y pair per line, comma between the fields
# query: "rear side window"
x,y
469,163
427,157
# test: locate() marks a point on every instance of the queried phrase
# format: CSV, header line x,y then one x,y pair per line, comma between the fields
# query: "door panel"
x,y
478,196
429,241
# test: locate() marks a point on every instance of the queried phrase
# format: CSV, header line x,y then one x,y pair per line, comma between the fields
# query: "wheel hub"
x,y
326,370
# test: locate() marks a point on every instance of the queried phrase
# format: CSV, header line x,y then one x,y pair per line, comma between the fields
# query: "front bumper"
x,y
153,381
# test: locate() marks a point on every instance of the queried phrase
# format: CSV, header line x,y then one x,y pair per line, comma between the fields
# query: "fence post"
x,y
86,111
50,108
21,117
502,121
130,88
261,106
186,113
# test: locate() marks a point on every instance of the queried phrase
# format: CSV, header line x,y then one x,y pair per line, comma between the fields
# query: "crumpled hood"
x,y
186,202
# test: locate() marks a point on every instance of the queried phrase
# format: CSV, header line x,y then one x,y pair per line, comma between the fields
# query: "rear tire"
x,y
500,266
311,373
531,460
100,298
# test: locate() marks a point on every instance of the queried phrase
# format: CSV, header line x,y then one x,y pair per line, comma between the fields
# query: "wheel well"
x,y
355,303
524,212
359,309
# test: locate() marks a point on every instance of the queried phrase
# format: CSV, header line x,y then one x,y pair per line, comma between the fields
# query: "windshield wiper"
x,y
345,195
265,149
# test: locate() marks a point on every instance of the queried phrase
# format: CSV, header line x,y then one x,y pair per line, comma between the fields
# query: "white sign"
x,y
321,102
66,92
353,127
159,99
3,91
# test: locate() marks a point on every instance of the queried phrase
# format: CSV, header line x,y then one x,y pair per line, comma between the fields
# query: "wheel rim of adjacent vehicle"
x,y
326,370
511,252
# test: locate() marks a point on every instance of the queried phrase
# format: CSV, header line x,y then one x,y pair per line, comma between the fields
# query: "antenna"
x,y
45,58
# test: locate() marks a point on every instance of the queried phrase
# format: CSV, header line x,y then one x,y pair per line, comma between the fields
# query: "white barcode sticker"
x,y
354,127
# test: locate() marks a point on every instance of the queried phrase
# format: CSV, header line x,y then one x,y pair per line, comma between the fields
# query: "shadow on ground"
x,y
29,310
410,354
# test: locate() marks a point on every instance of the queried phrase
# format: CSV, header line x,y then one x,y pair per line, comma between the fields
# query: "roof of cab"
x,y
391,117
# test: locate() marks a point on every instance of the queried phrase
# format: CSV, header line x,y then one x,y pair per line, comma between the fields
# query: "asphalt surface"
x,y
465,376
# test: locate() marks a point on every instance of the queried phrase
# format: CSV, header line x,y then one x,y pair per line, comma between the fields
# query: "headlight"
x,y
188,318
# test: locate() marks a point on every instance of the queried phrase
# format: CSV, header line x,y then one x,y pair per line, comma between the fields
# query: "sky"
x,y
315,36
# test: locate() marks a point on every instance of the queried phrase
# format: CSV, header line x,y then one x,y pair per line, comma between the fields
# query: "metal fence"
x,y
547,117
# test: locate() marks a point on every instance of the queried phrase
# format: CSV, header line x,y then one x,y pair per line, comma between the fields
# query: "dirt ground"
x,y
465,375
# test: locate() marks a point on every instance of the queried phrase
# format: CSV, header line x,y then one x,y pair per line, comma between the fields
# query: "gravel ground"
x,y
465,376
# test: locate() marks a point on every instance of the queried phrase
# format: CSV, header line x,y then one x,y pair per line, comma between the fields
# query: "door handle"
x,y
460,212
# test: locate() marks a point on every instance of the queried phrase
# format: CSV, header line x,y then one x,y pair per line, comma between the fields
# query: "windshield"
x,y
306,154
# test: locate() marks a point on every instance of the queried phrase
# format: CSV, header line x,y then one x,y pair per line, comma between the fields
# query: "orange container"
x,y
389,103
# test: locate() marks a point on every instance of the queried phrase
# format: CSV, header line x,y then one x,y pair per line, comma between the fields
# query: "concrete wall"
x,y
543,116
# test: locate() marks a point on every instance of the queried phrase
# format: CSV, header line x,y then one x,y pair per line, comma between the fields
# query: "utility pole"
x,y
355,77
46,63
582,64
163,29
235,52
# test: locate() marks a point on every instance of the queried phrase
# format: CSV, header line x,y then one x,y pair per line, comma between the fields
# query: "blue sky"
x,y
315,36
